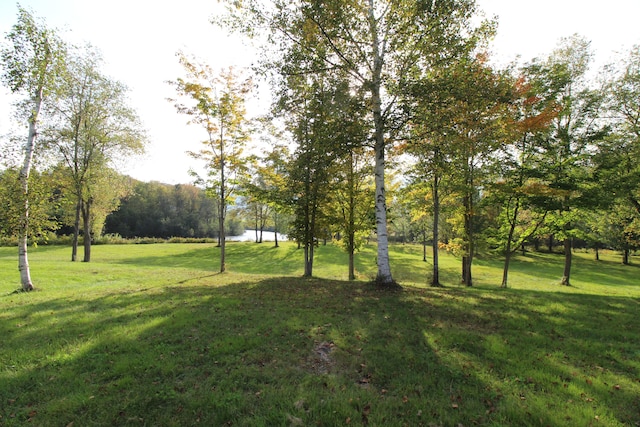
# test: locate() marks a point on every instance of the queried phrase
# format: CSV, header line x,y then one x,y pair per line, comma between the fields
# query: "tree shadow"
x,y
245,353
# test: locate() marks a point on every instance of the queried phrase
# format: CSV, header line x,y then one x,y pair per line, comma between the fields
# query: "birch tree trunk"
x,y
384,266
23,234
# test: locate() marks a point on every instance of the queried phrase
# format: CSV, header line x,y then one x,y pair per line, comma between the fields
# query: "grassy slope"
x,y
151,335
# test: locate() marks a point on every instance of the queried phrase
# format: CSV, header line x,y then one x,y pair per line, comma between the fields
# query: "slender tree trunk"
x,y
507,255
625,256
308,259
23,233
307,267
467,260
352,266
310,242
435,279
275,229
505,270
255,223
76,231
351,216
551,243
223,204
424,244
222,235
86,221
568,254
597,253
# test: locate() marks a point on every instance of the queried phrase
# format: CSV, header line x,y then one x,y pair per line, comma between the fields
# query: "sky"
x,y
139,40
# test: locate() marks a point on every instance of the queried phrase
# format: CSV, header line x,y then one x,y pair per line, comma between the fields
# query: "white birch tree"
x,y
31,62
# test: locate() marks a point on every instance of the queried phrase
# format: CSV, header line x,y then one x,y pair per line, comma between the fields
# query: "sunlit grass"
x,y
153,335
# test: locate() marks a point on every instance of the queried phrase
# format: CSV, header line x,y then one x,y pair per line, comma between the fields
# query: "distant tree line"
x,y
161,210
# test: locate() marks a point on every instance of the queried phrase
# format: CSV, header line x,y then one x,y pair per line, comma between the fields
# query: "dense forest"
x,y
389,121
161,210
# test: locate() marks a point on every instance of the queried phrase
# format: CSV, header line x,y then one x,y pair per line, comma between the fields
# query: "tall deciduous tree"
x,y
573,132
92,126
217,103
32,63
311,122
351,202
377,42
520,194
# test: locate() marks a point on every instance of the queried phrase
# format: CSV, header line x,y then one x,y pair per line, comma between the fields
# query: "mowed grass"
x,y
153,335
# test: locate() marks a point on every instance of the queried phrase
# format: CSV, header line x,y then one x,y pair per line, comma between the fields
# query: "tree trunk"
x,y
223,207
308,259
222,244
507,255
435,279
23,233
468,225
352,267
76,231
597,253
275,228
550,243
86,221
568,254
505,270
384,267
625,256
424,245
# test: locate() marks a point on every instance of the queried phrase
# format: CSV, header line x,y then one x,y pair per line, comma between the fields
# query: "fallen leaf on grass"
x,y
294,421
365,414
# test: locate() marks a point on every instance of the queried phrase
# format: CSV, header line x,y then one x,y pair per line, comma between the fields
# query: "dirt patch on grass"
x,y
321,362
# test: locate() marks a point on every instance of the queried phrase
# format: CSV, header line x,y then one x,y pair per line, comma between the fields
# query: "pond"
x,y
250,236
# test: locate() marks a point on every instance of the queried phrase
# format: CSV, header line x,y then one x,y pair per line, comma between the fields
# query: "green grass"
x,y
153,335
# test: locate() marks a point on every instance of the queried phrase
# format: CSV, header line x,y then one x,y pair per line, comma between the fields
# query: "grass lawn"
x,y
153,335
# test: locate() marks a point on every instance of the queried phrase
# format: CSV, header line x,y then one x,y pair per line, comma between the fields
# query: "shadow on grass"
x,y
246,354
